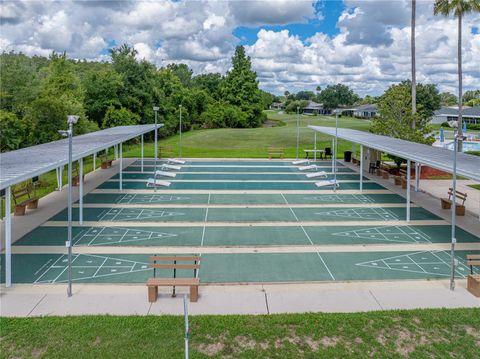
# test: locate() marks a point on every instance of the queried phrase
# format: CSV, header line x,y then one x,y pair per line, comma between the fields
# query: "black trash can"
x,y
347,156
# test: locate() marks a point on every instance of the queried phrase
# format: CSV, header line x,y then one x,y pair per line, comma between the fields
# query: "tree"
x,y
304,95
119,117
318,89
337,95
471,95
210,83
414,76
448,99
183,72
12,131
396,116
459,8
240,88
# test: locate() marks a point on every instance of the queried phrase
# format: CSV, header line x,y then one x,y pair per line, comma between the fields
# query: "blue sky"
x,y
328,11
364,44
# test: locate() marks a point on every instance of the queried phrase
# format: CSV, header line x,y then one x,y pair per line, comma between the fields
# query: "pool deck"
x,y
120,299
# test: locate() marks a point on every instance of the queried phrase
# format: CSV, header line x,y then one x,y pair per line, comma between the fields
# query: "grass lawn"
x,y
254,142
441,333
476,186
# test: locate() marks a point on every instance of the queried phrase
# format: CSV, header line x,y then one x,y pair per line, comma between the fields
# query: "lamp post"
x,y
71,120
298,129
155,108
180,106
335,152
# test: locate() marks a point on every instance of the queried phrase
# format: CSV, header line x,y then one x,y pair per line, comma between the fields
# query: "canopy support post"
x,y
115,149
141,153
121,167
408,188
94,161
8,237
80,192
315,146
361,168
418,167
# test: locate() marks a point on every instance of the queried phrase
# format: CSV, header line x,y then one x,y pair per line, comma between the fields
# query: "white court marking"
x,y
135,214
89,266
335,198
98,236
428,262
400,234
149,198
362,213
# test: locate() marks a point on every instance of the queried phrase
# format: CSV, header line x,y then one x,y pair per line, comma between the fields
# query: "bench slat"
x,y
473,256
473,263
175,266
174,258
172,281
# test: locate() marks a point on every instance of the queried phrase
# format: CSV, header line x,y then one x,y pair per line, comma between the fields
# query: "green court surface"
x,y
250,169
243,268
354,185
235,177
244,236
214,198
253,214
237,163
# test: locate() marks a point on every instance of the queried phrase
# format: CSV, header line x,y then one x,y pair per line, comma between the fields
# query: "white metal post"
x,y
80,192
69,210
141,154
361,168
298,131
454,211
409,170
8,237
333,156
121,166
57,172
180,145
95,161
315,146
155,108
418,167
187,329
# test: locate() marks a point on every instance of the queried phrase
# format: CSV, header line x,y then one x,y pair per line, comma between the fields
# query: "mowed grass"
x,y
254,142
432,333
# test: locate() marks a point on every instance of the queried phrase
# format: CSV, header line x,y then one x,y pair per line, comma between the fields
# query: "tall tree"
x,y
338,95
458,8
414,70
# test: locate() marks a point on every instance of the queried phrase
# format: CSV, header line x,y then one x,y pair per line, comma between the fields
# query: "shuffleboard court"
x,y
245,267
247,214
236,169
238,236
237,163
219,198
235,176
239,185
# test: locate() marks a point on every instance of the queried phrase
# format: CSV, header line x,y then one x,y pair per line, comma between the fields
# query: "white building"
x,y
469,115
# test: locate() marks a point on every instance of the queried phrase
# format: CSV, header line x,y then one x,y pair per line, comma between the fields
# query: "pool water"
x,y
467,146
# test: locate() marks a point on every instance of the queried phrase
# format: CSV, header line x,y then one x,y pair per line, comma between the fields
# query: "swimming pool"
x,y
467,146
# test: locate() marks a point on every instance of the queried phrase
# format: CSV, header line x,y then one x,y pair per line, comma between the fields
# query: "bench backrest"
x,y
174,265
165,151
20,192
461,195
276,149
328,151
402,173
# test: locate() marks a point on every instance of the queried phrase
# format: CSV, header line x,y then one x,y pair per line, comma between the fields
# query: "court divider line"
x,y
306,234
247,205
203,234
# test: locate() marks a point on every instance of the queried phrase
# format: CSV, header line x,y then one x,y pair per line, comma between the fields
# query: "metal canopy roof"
x,y
21,165
440,158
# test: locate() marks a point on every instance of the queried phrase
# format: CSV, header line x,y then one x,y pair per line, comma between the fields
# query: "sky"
x,y
294,45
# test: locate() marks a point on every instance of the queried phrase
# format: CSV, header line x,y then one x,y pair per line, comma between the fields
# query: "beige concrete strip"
x,y
308,248
238,173
195,191
245,224
277,205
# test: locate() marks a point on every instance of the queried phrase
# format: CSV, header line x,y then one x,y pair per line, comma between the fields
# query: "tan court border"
x,y
247,173
307,248
238,181
245,224
254,205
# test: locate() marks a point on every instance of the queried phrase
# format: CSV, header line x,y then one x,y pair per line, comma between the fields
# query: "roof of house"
x,y
313,106
453,111
367,108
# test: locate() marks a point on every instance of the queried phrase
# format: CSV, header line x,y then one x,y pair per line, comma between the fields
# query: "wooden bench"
x,y
401,178
165,152
473,280
24,197
276,151
154,283
384,172
106,163
460,207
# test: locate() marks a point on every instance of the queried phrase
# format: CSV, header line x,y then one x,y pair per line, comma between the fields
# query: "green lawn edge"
x,y
420,333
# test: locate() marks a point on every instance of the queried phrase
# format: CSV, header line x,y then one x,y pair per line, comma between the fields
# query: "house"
x,y
277,106
366,111
470,115
314,108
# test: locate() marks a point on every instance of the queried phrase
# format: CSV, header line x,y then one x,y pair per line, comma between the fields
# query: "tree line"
x,y
37,93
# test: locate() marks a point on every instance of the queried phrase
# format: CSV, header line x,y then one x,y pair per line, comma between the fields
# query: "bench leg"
x,y
152,294
193,293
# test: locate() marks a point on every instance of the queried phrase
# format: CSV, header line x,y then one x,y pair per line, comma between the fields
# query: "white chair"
x,y
166,166
175,161
165,174
300,162
321,174
152,182
308,168
327,183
